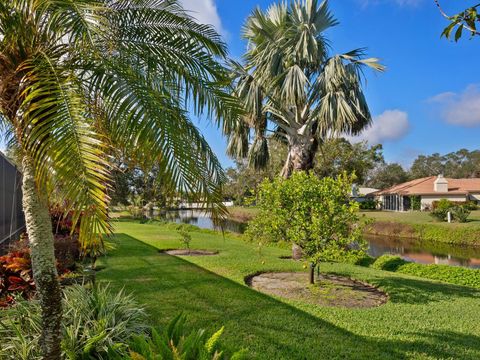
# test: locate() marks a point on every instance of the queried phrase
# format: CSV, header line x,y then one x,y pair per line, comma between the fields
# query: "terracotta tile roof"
x,y
424,186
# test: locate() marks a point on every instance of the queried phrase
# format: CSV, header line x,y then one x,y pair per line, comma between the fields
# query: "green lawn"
x,y
422,320
418,217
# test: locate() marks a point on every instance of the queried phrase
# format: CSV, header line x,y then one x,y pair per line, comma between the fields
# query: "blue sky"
x,y
427,101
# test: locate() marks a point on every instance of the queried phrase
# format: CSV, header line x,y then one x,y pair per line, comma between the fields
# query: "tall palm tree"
x,y
81,78
289,80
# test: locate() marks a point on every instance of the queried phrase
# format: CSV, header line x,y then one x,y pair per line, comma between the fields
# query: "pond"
x,y
409,249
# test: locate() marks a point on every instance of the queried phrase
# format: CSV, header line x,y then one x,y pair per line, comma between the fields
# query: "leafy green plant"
x,y
315,214
441,208
96,322
369,204
460,213
388,262
416,202
175,343
185,238
450,274
16,276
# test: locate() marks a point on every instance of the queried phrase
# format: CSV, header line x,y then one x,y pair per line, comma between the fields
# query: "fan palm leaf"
x,y
290,79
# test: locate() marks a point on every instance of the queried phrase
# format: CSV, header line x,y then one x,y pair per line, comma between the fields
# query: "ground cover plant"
x,y
450,274
422,319
175,343
97,322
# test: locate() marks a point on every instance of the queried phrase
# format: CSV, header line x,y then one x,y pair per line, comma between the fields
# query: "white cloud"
x,y
388,126
205,11
459,109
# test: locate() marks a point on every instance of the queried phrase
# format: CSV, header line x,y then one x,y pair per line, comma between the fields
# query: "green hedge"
x,y
446,273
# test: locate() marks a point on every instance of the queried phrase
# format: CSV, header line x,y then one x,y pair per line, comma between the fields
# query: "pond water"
x,y
411,250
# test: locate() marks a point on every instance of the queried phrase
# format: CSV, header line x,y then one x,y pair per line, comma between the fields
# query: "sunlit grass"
x,y
422,320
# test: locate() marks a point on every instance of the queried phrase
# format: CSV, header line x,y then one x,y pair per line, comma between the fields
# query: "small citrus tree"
x,y
315,214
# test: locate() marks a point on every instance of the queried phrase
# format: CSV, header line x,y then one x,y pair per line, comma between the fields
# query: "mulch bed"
x,y
187,252
329,290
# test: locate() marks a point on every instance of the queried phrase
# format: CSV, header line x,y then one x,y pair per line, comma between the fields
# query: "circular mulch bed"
x,y
329,290
186,252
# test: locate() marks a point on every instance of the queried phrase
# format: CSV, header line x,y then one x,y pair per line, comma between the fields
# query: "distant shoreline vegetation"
x,y
429,232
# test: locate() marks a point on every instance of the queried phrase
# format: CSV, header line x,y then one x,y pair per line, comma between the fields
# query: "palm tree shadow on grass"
x,y
269,328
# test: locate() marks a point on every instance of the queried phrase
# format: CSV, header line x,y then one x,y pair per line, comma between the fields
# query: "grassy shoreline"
x,y
419,225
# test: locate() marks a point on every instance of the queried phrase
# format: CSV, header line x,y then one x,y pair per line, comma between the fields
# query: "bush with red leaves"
x,y
62,223
16,277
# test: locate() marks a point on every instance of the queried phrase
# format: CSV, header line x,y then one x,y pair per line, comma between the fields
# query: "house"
x,y
426,191
12,222
362,194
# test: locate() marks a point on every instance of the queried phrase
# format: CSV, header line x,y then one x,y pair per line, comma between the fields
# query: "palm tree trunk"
x,y
301,154
40,236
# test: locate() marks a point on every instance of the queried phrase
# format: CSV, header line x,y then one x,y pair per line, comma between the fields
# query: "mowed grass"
x,y
422,320
419,217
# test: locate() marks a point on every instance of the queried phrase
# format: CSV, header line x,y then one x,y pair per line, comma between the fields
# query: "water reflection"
x,y
424,252
411,250
200,219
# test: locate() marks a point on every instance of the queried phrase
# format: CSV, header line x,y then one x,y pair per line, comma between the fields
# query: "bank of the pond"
x,y
435,232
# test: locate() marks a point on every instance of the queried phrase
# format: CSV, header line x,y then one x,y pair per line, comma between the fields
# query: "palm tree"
x,y
289,80
82,78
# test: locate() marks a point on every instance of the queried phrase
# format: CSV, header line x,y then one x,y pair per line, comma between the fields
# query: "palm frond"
x,y
68,154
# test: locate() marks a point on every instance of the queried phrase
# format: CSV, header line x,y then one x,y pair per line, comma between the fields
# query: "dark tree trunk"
x,y
301,154
312,274
40,236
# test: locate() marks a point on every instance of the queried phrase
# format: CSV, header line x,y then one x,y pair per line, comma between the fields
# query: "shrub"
x,y
460,213
441,208
388,263
16,278
96,323
459,210
175,343
62,223
416,202
443,204
369,204
471,205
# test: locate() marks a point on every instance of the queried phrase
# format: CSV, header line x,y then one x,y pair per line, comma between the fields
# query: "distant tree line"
x,y
367,163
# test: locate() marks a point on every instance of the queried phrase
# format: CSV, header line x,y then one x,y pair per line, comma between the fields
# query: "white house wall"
x,y
427,200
